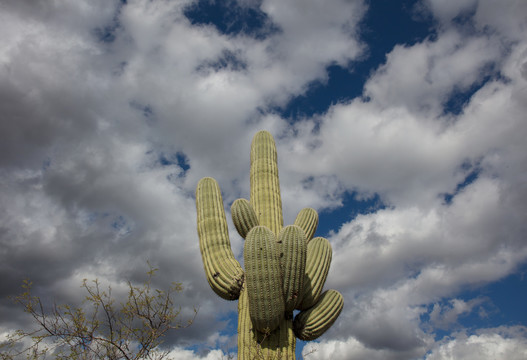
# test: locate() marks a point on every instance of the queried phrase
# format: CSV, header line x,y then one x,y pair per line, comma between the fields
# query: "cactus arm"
x,y
265,187
312,323
293,263
243,216
263,279
307,220
318,260
223,271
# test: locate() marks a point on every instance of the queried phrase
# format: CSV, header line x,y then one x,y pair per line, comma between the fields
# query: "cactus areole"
x,y
285,269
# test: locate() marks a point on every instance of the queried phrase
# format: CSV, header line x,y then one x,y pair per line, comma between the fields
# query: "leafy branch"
x,y
100,328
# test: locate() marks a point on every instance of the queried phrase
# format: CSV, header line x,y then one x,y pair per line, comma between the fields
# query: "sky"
x,y
401,122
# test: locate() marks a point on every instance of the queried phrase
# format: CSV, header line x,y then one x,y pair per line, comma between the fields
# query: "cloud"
x,y
184,354
352,349
503,342
446,316
423,76
493,343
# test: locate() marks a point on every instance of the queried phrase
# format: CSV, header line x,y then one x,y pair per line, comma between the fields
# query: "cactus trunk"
x,y
279,344
284,269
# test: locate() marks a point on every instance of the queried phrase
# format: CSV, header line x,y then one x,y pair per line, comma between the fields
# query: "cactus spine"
x,y
284,269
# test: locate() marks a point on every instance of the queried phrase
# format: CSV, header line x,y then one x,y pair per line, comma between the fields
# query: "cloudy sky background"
x,y
402,122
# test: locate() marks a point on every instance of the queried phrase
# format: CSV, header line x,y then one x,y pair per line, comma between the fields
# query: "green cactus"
x,y
285,269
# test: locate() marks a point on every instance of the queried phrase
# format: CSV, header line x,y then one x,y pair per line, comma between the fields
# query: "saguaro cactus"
x,y
285,269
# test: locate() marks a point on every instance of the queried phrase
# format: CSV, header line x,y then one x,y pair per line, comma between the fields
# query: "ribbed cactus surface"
x,y
224,273
263,279
307,220
285,268
243,216
319,255
312,323
265,186
293,246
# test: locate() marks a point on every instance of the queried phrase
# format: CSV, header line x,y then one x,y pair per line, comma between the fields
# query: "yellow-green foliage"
x,y
103,327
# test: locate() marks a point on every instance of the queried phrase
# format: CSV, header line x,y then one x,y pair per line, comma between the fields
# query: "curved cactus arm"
x,y
243,216
265,186
223,271
307,220
263,279
292,242
310,324
318,260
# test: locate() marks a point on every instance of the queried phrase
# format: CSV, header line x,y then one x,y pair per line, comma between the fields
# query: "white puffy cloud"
x,y
423,76
184,354
352,349
493,343
508,20
499,343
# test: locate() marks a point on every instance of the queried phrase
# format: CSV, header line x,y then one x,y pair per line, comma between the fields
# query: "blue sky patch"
x,y
229,18
179,158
